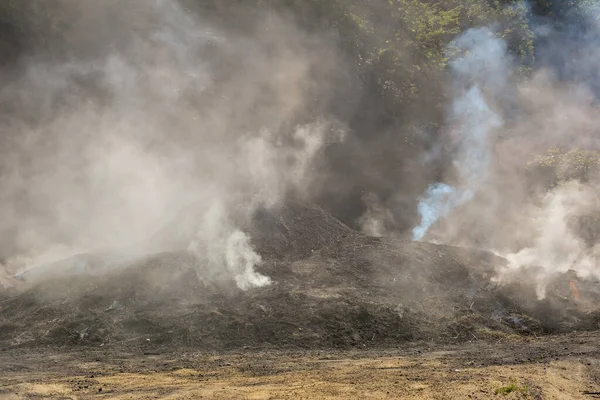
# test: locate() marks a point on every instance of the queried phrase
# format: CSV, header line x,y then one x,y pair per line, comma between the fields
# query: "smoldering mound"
x,y
330,287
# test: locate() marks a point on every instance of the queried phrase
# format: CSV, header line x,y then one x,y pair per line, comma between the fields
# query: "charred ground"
x,y
332,288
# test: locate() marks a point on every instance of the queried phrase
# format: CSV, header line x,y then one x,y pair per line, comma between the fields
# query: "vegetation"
x,y
514,387
558,166
566,11
398,51
400,46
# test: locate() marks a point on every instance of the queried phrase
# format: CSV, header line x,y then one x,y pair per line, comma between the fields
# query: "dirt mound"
x,y
294,230
332,287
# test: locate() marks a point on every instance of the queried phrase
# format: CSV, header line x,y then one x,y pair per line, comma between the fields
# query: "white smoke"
x,y
241,260
515,213
218,240
105,148
554,245
218,244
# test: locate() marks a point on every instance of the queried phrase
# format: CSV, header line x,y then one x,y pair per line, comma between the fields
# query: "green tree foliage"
x,y
567,10
558,166
401,45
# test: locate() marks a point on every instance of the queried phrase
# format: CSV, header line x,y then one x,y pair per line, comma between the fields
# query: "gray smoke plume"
x,y
125,128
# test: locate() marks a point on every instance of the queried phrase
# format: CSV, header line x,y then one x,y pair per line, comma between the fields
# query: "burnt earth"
x,y
332,288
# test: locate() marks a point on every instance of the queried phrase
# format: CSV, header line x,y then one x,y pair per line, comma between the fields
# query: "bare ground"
x,y
555,367
347,316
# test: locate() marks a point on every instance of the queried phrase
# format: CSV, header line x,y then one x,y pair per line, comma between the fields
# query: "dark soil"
x,y
332,288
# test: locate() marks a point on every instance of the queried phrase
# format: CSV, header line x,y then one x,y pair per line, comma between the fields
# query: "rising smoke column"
x,y
483,66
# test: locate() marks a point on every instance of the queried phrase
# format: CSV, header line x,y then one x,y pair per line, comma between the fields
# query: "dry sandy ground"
x,y
559,367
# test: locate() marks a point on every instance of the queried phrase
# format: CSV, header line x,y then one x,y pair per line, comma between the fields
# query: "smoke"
x,y
558,110
146,113
242,259
555,245
115,134
224,249
438,201
482,64
378,220
534,213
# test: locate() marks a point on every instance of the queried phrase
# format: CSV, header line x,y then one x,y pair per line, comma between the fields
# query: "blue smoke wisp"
x,y
485,64
437,202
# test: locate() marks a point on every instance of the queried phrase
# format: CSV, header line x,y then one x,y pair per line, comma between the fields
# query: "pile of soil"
x,y
332,287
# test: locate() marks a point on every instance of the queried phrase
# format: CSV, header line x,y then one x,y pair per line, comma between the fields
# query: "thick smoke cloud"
x,y
146,112
505,121
107,142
